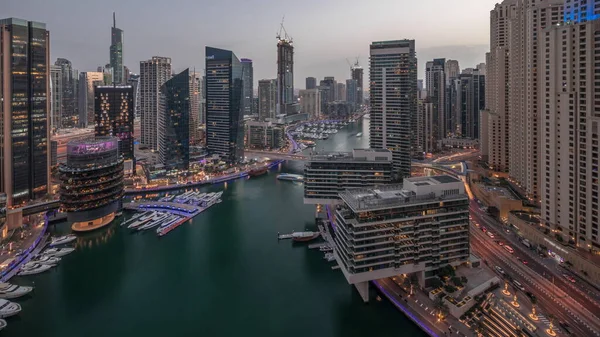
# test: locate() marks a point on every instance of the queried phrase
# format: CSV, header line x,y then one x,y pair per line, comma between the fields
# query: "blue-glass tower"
x,y
224,108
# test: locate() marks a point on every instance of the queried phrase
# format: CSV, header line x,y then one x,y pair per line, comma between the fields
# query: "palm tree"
x,y
551,327
533,303
441,307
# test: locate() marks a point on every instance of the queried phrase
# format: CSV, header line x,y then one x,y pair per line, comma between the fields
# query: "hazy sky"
x,y
325,32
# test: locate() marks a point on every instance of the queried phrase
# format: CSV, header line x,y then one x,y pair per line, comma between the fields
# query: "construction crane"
x,y
286,37
355,65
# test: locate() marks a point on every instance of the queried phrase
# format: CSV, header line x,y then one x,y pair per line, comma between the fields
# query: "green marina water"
x,y
223,274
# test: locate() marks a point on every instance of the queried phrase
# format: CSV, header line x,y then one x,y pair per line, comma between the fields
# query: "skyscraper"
x,y
311,83
470,101
173,121
114,117
153,74
25,92
393,78
248,76
435,82
87,81
116,53
285,73
310,102
357,75
351,91
329,93
267,99
497,105
340,92
195,103
56,88
452,70
570,128
224,108
69,108
525,72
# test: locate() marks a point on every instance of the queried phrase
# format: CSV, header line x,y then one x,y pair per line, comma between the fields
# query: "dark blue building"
x,y
174,122
224,108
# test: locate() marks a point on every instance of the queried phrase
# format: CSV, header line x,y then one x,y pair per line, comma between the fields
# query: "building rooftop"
x,y
355,155
413,190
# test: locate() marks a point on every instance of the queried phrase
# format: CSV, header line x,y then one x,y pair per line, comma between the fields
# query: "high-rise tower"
x,y
435,82
248,76
224,107
153,74
393,78
173,121
357,73
116,53
285,72
24,110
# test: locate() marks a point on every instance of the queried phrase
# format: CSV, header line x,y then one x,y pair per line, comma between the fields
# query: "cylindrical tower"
x,y
92,182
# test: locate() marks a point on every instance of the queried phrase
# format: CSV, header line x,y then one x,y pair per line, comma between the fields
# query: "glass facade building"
x,y
248,78
116,53
173,122
224,108
24,110
114,116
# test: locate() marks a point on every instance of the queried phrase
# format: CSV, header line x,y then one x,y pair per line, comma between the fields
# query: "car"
x,y
484,229
524,262
565,327
530,295
500,270
518,285
476,224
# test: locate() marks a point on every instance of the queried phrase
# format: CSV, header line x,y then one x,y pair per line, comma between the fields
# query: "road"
x,y
570,306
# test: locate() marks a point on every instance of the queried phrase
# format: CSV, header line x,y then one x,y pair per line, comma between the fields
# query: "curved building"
x,y
92,182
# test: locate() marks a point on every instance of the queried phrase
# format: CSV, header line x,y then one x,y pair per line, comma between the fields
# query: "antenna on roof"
x,y
114,20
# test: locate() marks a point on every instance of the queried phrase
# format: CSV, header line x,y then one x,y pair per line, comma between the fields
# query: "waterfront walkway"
x,y
419,309
37,248
219,179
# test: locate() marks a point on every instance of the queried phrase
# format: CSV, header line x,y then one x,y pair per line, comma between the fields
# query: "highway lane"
x,y
495,255
537,264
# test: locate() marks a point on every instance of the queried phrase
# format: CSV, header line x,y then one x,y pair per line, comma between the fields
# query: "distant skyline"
x,y
324,33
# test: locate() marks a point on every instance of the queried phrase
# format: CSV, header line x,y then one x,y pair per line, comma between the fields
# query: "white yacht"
x,y
62,240
8,308
47,260
155,221
9,291
359,134
142,220
3,324
58,252
31,268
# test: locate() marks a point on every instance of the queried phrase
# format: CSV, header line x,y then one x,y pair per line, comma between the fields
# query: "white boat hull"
x,y
10,310
42,268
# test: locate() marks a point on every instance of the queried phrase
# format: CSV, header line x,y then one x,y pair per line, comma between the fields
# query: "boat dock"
x,y
41,245
318,245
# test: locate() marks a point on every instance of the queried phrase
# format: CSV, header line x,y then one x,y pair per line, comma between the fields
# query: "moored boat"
x,y
46,260
31,268
8,308
289,176
58,252
8,291
305,236
257,171
63,240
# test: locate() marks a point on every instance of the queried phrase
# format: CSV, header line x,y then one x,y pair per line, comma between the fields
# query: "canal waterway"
x,y
223,274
